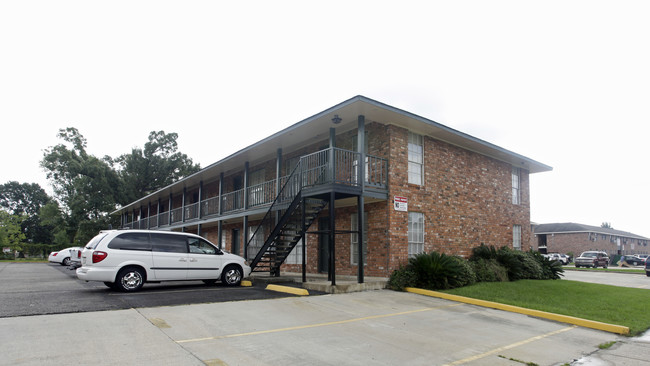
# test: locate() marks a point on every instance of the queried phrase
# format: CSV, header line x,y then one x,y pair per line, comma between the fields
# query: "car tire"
x,y
577,266
647,274
231,275
129,279
110,284
66,261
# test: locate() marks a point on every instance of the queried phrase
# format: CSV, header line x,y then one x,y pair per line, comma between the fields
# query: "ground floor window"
x,y
354,239
516,237
416,233
295,257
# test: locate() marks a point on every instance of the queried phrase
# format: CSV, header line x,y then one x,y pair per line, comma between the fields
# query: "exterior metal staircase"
x,y
282,227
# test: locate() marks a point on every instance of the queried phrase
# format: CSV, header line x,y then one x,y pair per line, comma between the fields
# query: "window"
x,y
295,257
516,196
169,243
416,233
131,241
516,237
200,246
354,239
416,158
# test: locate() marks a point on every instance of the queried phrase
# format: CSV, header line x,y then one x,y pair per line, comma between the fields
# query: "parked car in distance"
x,y
126,259
642,256
61,257
75,257
562,258
592,258
647,268
632,260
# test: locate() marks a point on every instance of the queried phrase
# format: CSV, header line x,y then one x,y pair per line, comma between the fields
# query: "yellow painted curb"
x,y
246,283
612,328
288,289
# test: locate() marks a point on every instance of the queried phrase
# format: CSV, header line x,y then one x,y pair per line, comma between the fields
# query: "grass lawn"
x,y
603,303
25,260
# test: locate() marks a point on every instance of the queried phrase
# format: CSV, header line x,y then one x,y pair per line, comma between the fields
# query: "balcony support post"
x,y
220,193
171,204
198,209
183,204
361,143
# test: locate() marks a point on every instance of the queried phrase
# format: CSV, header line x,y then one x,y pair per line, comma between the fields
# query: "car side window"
x,y
131,241
201,246
169,243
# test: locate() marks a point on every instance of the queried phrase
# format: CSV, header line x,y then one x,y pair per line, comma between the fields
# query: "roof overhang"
x,y
316,128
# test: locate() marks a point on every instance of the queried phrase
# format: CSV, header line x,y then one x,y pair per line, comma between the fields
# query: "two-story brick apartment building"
x,y
570,237
414,185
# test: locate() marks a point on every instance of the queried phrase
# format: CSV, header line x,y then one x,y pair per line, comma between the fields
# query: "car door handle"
x,y
193,260
182,260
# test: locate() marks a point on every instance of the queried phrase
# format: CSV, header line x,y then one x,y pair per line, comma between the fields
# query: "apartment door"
x,y
323,245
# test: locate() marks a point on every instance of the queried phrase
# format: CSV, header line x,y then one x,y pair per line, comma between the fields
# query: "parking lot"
x,y
213,328
47,288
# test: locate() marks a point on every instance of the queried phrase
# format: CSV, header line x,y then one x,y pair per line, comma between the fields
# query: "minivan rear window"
x,y
169,243
92,244
131,241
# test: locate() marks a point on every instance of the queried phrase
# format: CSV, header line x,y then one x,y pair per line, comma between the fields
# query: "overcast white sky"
x,y
566,83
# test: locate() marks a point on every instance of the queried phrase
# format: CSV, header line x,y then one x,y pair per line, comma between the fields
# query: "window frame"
x,y
516,237
516,186
415,235
415,140
354,239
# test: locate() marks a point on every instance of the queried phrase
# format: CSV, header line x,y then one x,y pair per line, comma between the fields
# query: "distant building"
x,y
577,238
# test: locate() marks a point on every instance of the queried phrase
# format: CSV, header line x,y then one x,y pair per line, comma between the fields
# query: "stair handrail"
x,y
294,180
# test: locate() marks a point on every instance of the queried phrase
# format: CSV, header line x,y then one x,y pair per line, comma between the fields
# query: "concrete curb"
x,y
288,289
612,328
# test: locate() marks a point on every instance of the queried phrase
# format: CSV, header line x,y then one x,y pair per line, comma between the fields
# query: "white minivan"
x,y
126,259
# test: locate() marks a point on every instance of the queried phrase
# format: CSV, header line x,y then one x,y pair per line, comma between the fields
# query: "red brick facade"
x,y
466,200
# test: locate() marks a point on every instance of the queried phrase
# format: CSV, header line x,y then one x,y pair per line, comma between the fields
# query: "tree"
x,y
11,234
26,200
88,187
606,225
158,165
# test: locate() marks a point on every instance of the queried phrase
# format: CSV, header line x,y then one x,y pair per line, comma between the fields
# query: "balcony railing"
x,y
322,167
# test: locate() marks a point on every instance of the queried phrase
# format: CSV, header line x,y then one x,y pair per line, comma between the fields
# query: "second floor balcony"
x,y
331,168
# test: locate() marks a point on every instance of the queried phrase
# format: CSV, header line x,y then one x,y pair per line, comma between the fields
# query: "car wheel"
x,y
209,282
110,284
577,266
66,261
231,275
647,274
129,279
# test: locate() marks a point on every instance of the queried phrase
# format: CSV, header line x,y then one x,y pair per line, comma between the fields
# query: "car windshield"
x,y
589,255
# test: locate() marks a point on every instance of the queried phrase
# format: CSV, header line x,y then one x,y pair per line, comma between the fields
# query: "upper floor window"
x,y
516,181
416,158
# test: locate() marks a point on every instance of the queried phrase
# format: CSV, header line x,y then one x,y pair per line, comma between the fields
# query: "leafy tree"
x,y
26,200
606,225
87,187
158,165
11,234
55,220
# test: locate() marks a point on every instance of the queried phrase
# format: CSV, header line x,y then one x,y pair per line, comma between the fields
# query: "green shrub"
x,y
435,271
401,278
489,270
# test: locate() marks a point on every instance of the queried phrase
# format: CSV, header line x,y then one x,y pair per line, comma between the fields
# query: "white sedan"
x,y
62,256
